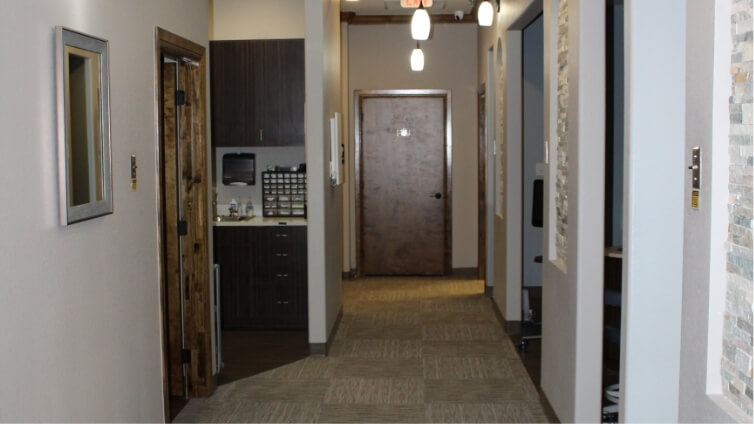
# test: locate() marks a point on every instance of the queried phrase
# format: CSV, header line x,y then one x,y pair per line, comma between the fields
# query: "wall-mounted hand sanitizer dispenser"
x,y
239,169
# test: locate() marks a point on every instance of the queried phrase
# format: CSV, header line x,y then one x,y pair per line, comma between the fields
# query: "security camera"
x,y
458,15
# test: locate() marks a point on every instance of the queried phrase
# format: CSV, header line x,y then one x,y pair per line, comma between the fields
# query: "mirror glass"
x,y
84,130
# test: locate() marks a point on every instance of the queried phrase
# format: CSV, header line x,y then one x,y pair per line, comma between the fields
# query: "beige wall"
x,y
704,252
324,208
79,305
256,19
378,58
572,302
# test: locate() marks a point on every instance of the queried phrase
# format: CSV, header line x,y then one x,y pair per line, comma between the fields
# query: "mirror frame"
x,y
70,214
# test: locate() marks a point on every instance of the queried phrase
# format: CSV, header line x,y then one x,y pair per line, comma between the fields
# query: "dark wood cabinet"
x,y
257,89
264,276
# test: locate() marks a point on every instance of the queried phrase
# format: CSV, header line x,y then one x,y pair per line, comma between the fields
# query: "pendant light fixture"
x,y
420,24
485,13
417,59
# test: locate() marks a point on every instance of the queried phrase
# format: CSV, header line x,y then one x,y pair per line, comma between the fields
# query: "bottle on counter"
x,y
233,207
249,209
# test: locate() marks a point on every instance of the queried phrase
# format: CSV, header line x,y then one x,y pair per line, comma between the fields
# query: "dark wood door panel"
x,y
236,83
284,92
403,179
257,92
259,288
183,166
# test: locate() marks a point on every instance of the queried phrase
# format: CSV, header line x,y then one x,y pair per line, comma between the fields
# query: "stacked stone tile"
x,y
736,367
561,151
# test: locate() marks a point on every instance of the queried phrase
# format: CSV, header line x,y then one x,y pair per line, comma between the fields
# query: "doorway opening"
x,y
613,265
532,182
482,183
403,180
183,222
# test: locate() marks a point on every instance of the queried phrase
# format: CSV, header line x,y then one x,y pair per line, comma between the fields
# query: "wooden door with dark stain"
x,y
184,193
403,185
173,304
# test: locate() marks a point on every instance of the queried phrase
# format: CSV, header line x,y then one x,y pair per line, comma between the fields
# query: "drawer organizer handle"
x,y
281,255
281,275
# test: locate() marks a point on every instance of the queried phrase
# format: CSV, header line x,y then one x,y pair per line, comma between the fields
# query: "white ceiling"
x,y
393,7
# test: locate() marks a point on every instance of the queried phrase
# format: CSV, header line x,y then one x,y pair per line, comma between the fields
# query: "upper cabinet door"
x,y
235,75
284,112
257,92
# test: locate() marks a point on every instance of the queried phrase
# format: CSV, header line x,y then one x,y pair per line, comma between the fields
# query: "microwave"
x,y
239,168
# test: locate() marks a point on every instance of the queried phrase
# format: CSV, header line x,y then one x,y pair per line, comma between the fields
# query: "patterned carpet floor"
x,y
407,350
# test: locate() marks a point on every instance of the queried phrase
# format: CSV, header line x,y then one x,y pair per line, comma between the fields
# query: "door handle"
x,y
436,195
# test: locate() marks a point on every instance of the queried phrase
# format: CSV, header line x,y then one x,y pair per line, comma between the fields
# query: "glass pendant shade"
x,y
485,13
420,24
417,60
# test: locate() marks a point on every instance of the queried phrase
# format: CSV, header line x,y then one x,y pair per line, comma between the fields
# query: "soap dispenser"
x,y
249,208
233,207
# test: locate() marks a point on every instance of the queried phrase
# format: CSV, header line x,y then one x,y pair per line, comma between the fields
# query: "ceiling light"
x,y
420,24
414,3
485,13
417,59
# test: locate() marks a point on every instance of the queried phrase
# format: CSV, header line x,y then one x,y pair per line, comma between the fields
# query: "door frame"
x,y
359,96
171,44
482,127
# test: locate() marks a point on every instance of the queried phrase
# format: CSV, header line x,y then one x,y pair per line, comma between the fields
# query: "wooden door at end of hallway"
x,y
404,185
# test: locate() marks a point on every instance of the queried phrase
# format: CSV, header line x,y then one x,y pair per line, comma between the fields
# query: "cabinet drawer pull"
x,y
281,275
281,235
283,302
281,255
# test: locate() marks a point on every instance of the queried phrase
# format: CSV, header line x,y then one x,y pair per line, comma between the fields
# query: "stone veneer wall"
x,y
561,151
736,367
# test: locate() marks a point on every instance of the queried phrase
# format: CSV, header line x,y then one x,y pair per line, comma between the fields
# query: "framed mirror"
x,y
83,114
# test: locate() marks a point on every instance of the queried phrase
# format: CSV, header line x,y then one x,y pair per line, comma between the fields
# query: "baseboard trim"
x,y
498,314
489,290
317,349
549,411
321,349
465,273
348,275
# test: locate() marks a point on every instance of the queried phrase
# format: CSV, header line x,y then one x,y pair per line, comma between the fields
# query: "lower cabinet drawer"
x,y
284,305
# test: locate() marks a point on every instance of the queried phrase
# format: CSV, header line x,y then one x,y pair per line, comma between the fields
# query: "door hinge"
x,y
185,356
180,97
182,228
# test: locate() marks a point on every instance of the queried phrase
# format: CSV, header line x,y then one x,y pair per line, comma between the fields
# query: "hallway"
x,y
407,350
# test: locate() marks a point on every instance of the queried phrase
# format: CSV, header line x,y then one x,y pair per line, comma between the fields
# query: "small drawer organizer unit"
x,y
284,193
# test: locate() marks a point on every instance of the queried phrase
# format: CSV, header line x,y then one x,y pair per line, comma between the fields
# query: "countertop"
x,y
614,252
259,221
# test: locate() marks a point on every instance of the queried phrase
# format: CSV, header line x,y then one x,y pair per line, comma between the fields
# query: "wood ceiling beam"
x,y
353,19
